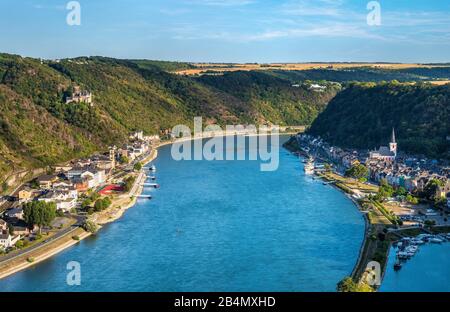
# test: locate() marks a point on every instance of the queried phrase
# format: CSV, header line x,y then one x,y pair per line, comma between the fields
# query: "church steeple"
x,y
393,143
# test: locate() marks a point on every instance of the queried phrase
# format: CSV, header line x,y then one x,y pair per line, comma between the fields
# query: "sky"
x,y
239,31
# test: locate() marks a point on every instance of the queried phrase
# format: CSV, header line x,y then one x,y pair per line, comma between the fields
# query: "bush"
x,y
20,244
349,285
30,259
76,237
102,204
128,183
137,166
90,226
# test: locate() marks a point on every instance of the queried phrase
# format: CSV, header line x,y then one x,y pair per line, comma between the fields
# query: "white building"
x,y
93,176
64,199
138,135
384,152
7,240
317,87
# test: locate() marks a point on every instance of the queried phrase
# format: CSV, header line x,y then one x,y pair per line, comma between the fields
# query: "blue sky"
x,y
230,30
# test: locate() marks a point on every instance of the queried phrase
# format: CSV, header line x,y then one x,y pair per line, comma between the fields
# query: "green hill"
x,y
366,74
362,116
274,98
38,128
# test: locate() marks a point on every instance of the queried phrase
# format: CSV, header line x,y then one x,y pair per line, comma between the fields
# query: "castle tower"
x,y
393,143
112,156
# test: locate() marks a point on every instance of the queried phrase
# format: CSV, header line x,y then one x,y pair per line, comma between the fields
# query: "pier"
x,y
144,196
155,185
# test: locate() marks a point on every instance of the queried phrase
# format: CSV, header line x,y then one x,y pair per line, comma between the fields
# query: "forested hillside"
x,y
38,128
362,116
366,74
273,97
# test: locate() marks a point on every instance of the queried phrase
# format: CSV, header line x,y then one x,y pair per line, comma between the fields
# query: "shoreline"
x,y
66,241
62,243
360,265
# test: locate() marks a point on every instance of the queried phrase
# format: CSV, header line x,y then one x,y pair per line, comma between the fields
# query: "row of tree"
x,y
39,213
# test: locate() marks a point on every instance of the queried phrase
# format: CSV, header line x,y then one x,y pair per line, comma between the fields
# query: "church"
x,y
386,153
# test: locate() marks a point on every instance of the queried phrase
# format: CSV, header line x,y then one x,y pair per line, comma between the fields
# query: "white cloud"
x,y
223,3
314,8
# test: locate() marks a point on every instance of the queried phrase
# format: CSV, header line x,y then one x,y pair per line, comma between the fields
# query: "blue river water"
x,y
216,226
428,271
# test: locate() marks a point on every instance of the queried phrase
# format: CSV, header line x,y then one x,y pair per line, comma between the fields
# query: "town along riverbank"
x,y
54,245
383,227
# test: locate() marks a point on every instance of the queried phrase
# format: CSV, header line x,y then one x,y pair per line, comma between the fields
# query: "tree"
x,y
411,199
98,206
39,213
431,189
349,285
137,166
102,204
385,191
358,171
128,183
89,226
123,159
401,191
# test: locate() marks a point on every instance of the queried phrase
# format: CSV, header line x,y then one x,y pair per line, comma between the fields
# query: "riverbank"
x,y
370,246
33,257
121,204
375,223
43,252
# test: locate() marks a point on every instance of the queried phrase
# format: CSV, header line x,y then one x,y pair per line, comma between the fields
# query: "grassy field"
x,y
200,68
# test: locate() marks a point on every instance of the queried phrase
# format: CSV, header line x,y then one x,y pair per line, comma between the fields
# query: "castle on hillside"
x,y
79,96
386,153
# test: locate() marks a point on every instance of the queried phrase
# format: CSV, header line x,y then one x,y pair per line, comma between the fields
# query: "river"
x,y
427,271
216,226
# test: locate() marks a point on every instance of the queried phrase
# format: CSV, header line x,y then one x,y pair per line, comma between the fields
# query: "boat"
x,y
309,166
152,168
411,249
309,169
403,255
397,265
436,240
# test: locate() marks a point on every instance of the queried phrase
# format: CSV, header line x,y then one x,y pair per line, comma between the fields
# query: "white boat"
x,y
152,168
309,166
411,249
436,240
